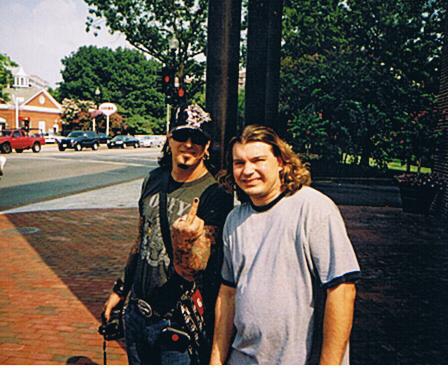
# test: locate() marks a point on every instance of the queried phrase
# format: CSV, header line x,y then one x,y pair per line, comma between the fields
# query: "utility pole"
x,y
263,63
224,25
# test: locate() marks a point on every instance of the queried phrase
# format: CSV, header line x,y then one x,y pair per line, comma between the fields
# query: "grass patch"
x,y
396,165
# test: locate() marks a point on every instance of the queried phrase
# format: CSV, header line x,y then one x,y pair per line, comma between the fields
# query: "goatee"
x,y
183,166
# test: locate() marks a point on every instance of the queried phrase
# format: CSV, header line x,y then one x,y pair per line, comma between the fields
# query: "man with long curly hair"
x,y
287,293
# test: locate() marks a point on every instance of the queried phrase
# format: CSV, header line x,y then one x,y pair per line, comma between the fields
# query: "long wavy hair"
x,y
294,173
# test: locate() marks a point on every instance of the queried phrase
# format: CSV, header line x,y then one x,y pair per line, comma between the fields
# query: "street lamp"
x,y
18,101
97,95
173,44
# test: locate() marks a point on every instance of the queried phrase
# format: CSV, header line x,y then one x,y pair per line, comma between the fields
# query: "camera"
x,y
112,329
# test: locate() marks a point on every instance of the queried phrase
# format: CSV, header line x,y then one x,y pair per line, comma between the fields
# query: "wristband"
x,y
118,288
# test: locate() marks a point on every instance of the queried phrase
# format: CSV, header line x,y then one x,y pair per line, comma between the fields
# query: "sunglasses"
x,y
183,135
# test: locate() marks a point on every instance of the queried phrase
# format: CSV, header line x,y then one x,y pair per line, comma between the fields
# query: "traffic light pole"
x,y
263,63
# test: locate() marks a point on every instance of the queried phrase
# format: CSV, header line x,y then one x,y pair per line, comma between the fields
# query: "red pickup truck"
x,y
19,140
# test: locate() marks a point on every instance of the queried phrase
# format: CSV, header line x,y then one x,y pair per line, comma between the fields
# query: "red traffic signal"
x,y
168,74
180,96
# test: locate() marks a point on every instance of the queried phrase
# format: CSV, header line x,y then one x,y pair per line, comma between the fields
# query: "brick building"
x,y
29,104
441,162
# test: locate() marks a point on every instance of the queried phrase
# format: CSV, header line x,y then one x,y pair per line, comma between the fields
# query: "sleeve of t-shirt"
x,y
331,251
215,205
227,274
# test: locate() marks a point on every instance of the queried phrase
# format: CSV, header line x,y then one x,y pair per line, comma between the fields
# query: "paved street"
x,y
50,174
35,178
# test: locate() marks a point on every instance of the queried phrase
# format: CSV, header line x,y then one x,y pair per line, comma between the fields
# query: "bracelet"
x,y
118,288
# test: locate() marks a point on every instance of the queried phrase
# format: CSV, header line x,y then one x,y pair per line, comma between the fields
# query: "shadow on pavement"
x,y
80,360
86,250
400,315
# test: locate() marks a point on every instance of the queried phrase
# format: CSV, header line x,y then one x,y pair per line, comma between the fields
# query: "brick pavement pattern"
x,y
59,267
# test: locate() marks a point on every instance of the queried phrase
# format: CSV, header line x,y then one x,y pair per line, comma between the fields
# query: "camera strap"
x,y
163,216
104,352
190,304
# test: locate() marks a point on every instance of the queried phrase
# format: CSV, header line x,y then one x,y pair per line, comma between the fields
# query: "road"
x,y
48,175
36,177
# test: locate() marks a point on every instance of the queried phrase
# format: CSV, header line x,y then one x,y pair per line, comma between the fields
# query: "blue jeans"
x,y
143,340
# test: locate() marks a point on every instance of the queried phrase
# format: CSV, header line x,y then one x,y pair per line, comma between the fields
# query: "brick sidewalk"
x,y
57,271
59,266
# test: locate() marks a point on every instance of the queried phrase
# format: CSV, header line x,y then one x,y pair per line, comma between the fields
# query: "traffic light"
x,y
179,96
168,74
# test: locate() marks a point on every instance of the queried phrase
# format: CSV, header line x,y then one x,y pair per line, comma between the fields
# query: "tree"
x,y
76,113
6,77
123,76
367,67
150,25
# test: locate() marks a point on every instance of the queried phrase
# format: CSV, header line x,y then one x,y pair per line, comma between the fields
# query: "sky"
x,y
38,34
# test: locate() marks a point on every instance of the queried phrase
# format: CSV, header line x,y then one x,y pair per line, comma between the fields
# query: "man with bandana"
x,y
156,275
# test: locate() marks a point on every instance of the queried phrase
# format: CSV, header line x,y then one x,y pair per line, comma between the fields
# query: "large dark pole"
x,y
263,62
441,159
223,48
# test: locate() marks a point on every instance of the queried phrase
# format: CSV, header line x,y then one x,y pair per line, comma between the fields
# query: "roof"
x,y
26,93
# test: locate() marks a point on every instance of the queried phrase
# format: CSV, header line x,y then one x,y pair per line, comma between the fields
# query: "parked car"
x,y
78,139
104,138
151,141
52,138
123,141
19,140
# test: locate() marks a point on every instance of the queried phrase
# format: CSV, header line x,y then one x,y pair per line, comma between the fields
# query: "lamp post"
x,y
174,46
18,101
97,95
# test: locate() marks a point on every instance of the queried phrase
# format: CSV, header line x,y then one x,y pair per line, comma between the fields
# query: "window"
x,y
42,126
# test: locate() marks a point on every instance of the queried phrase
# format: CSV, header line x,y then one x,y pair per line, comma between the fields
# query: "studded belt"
x,y
147,311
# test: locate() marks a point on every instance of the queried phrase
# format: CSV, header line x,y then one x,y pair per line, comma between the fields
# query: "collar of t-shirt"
x,y
269,205
173,184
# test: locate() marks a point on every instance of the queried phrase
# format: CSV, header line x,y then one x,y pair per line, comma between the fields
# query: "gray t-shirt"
x,y
279,259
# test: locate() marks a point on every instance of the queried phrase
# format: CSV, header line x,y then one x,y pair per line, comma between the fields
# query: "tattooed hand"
x,y
191,243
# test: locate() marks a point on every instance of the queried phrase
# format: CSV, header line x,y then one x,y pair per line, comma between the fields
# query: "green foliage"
x,y
149,26
6,77
124,77
370,69
139,124
309,134
241,109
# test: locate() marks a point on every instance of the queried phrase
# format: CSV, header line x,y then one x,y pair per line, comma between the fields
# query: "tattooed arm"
x,y
192,255
192,242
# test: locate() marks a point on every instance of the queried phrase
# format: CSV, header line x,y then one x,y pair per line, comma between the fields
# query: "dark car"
x,y
78,139
103,138
122,141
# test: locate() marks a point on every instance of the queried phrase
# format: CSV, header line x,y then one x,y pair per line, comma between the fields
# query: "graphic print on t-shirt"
x,y
152,247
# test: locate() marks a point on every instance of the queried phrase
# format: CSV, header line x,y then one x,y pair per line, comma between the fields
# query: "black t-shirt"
x,y
150,267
